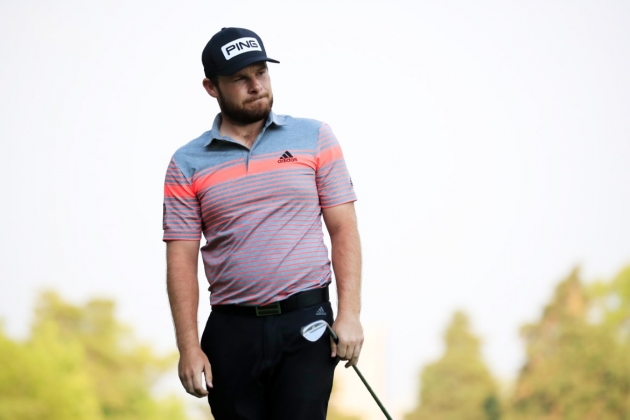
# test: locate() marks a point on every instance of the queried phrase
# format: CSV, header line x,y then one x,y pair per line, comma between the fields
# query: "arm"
x,y
341,222
183,295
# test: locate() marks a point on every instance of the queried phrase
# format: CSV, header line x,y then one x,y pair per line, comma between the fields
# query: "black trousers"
x,y
263,368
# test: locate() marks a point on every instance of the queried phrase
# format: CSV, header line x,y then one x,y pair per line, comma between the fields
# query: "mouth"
x,y
256,99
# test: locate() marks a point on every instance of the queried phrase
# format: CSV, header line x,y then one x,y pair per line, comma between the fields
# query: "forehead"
x,y
252,68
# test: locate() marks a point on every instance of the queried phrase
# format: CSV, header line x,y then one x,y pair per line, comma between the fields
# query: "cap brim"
x,y
236,66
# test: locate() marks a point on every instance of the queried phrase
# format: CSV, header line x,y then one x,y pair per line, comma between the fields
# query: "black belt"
x,y
292,303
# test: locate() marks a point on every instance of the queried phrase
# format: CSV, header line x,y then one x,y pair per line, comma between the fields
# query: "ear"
x,y
210,88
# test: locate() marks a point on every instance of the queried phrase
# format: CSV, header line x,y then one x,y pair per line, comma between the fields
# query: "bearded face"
x,y
248,111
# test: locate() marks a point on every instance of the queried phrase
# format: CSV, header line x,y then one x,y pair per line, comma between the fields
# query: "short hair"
x,y
215,80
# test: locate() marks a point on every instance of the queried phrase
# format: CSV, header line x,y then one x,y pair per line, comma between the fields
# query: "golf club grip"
x,y
369,388
333,335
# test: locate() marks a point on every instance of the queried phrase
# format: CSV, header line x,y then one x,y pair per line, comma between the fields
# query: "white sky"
x,y
488,141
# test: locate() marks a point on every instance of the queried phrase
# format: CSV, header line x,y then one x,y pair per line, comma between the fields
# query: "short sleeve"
x,y
334,185
182,212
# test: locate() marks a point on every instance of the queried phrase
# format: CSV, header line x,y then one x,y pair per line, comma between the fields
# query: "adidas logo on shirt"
x,y
320,311
287,157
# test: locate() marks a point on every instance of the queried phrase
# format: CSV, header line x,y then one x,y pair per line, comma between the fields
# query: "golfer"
x,y
257,185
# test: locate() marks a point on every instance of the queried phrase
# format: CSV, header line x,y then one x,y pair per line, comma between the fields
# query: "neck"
x,y
245,134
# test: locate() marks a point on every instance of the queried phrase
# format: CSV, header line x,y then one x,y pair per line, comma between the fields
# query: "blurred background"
x,y
489,146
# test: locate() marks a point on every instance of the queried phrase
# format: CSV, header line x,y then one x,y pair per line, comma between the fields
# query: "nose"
x,y
254,85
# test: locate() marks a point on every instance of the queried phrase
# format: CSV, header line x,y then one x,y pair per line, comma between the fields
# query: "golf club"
x,y
313,332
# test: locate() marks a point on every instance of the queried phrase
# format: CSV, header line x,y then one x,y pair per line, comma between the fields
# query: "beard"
x,y
250,112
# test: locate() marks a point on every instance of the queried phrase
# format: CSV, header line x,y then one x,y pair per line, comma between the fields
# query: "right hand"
x,y
192,364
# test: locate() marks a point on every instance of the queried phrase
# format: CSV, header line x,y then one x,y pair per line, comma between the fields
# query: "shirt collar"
x,y
215,133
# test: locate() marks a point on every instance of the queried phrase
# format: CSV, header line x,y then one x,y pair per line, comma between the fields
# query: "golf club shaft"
x,y
356,369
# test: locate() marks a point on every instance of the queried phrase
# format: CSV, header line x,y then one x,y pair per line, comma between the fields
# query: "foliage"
x,y
458,385
575,370
81,363
611,304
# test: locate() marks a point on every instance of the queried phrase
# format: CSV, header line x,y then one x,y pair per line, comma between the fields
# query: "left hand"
x,y
350,333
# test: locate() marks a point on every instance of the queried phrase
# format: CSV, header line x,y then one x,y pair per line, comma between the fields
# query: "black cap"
x,y
232,49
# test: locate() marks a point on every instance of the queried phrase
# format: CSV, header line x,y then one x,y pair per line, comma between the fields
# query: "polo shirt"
x,y
259,209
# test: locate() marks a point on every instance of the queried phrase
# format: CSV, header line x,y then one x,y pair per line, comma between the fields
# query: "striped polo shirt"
x,y
259,209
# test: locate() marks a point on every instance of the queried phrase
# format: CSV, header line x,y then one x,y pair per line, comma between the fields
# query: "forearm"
x,y
346,260
183,294
341,222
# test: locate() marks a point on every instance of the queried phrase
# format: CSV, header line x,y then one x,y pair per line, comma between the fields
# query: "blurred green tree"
x,y
459,385
611,305
45,378
81,363
575,369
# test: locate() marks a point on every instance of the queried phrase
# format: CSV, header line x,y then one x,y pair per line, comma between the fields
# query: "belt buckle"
x,y
271,309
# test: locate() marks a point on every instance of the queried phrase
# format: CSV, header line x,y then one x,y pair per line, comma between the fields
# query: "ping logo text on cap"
x,y
240,46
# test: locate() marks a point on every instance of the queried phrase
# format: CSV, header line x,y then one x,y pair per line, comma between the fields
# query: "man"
x,y
257,185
